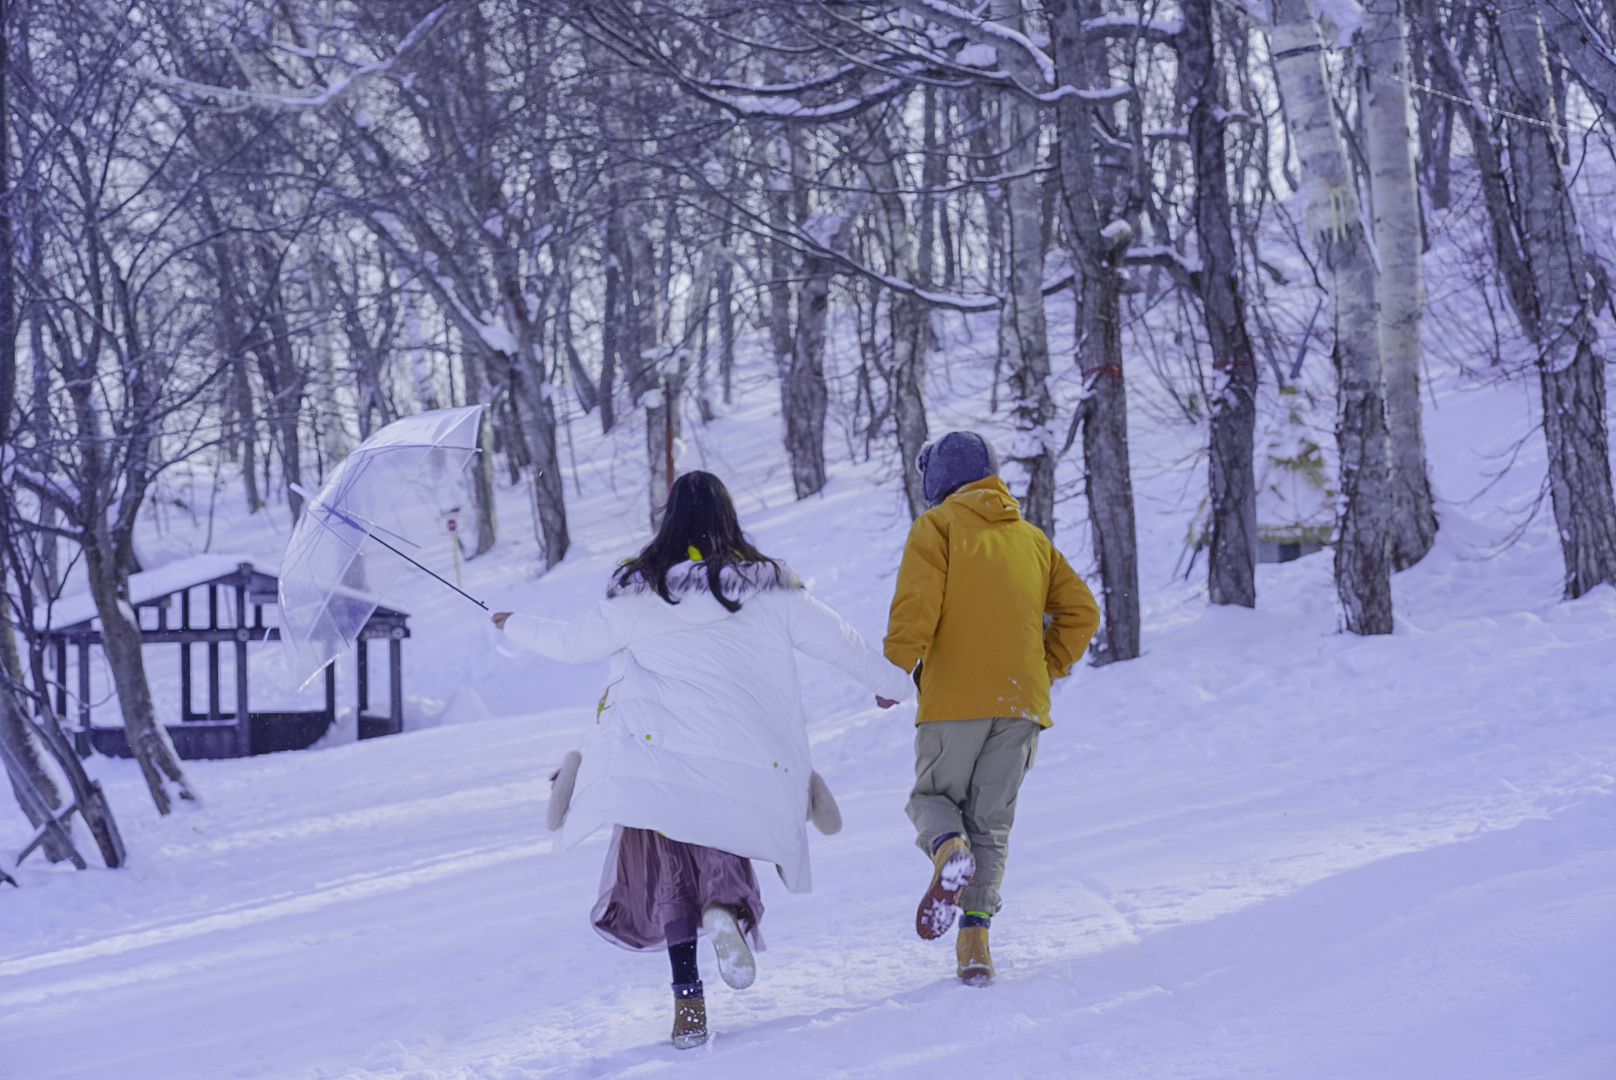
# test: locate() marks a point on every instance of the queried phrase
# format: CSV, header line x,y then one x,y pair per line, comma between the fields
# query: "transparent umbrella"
x,y
354,538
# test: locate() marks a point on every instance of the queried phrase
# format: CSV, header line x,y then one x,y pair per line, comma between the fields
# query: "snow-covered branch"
x,y
307,97
1028,67
757,107
1023,48
1163,32
1182,267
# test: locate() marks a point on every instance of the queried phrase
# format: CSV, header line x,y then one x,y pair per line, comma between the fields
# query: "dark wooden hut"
x,y
180,604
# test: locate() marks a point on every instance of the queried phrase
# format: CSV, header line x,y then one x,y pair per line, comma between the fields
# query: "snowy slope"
x,y
1263,849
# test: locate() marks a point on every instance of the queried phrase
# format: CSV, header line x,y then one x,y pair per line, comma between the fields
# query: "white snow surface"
x,y
1264,849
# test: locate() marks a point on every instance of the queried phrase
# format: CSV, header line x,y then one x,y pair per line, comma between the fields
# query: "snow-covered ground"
x,y
1263,849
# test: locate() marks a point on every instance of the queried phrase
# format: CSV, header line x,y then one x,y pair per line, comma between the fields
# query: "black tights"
x,y
681,935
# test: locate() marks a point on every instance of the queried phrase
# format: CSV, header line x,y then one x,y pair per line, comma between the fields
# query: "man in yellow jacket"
x,y
985,615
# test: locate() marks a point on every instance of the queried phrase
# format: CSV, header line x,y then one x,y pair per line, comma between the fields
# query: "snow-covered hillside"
x,y
1263,849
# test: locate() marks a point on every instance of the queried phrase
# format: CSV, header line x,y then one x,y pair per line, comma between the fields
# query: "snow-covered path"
x,y
1356,858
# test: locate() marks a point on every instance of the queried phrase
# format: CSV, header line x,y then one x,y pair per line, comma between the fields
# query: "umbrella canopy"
x,y
387,497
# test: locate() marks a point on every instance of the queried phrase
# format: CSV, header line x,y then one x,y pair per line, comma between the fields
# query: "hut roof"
x,y
149,585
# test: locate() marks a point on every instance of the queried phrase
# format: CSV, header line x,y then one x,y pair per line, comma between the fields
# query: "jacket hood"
x,y
687,583
989,499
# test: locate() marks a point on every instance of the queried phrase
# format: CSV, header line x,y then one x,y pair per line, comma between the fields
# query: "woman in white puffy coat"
x,y
700,759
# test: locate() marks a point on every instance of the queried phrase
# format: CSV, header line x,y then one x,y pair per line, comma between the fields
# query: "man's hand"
x,y
500,617
885,703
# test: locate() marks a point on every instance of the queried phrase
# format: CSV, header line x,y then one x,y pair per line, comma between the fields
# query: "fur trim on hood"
x,y
738,580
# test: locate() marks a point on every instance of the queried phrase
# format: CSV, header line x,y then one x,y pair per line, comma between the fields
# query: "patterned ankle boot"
x,y
689,1016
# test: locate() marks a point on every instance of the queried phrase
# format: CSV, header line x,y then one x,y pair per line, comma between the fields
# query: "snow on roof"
x,y
149,585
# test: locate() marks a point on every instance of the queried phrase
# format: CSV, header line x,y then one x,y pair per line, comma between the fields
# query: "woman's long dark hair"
x,y
699,515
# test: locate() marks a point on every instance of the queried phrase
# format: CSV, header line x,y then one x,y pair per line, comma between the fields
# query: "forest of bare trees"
x,y
254,231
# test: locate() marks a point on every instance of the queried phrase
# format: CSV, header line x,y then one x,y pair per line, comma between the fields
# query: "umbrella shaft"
x,y
418,566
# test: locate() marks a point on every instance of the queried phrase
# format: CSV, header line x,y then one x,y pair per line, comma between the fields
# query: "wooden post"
x,y
61,676
84,685
395,680
363,650
186,697
243,715
213,654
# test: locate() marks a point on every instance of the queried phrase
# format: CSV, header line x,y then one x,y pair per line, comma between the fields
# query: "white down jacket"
x,y
701,735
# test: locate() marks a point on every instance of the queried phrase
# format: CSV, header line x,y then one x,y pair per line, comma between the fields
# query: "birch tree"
x,y
1335,228
1400,291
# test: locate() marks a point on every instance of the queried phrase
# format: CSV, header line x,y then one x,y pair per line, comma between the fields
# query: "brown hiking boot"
x,y
953,866
975,962
689,1022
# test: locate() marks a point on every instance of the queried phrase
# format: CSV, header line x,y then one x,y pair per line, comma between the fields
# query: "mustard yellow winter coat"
x,y
974,590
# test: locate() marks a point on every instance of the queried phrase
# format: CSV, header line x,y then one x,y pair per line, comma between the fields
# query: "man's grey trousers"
x,y
967,776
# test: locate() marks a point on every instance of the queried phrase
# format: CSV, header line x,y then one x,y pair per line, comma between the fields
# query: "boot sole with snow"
x,y
941,902
736,965
976,976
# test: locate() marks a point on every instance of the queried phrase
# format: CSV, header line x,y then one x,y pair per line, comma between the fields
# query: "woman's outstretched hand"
x,y
500,617
885,703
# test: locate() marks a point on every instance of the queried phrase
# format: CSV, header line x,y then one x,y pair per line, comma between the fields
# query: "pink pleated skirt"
x,y
650,881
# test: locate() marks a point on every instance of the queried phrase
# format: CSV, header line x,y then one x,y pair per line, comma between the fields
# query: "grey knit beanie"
x,y
958,458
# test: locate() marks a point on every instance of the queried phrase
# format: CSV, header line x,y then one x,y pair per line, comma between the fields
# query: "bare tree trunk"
x,y
907,314
1569,365
583,385
19,754
1395,197
803,394
662,431
1231,570
1098,245
979,104
646,301
14,733
549,492
800,356
230,324
482,468
30,781
246,430
92,801
333,440
422,370
285,382
725,277
612,311
1335,226
1023,337
910,324
159,763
